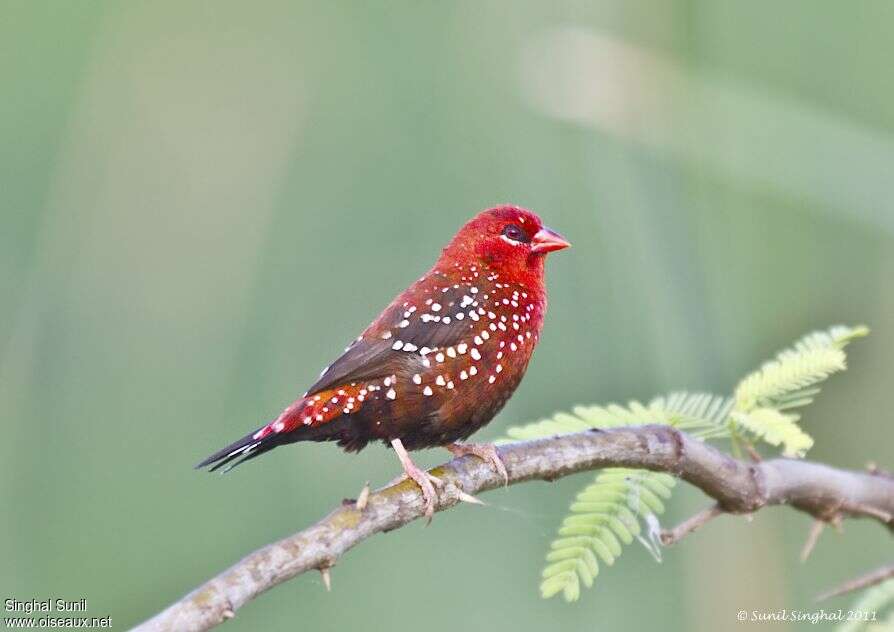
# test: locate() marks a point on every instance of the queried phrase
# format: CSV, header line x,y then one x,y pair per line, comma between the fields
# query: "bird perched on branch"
x,y
439,362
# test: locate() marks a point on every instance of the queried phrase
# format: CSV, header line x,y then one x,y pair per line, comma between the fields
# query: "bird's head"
x,y
509,240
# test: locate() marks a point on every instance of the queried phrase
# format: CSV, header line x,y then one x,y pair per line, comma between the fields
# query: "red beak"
x,y
547,240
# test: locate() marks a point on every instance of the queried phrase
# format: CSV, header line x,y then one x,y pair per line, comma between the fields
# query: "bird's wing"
x,y
405,332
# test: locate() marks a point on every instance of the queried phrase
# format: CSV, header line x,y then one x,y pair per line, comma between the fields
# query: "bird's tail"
x,y
248,447
301,421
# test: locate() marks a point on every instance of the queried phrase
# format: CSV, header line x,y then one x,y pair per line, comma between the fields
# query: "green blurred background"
x,y
203,201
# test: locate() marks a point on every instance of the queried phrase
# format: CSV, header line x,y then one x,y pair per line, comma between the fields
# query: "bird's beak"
x,y
547,240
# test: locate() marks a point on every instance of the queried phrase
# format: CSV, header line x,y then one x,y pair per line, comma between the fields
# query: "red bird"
x,y
439,362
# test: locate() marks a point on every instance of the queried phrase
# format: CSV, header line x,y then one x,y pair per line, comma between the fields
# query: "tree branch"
x,y
823,492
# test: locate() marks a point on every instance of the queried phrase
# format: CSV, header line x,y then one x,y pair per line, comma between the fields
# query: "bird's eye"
x,y
515,233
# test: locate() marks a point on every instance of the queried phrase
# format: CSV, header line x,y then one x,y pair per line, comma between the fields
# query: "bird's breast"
x,y
439,363
454,389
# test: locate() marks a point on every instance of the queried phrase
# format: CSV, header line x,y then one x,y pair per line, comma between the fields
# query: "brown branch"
x,y
864,581
686,527
737,487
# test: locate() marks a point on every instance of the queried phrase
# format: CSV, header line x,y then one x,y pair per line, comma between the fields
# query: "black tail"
x,y
241,451
248,447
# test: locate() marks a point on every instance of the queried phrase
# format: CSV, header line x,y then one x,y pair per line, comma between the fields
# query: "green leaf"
x,y
556,584
700,414
608,511
787,382
604,514
776,428
789,377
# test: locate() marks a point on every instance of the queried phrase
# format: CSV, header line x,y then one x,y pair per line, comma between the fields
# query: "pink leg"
x,y
422,478
485,451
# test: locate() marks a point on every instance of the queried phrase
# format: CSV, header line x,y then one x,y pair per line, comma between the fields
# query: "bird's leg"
x,y
422,478
485,451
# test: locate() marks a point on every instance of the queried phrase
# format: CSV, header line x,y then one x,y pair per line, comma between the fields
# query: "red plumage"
x,y
440,361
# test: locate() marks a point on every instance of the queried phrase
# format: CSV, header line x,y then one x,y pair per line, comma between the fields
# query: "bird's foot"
x,y
427,484
426,481
485,451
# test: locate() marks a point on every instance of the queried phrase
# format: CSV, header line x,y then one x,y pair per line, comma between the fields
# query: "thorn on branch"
x,y
863,581
866,510
812,536
468,498
838,523
327,577
363,498
873,468
688,526
753,454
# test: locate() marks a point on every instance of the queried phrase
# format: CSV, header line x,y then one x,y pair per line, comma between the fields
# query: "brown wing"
x,y
425,318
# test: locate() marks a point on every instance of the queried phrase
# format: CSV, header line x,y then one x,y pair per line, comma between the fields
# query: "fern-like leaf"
x,y
776,428
604,514
788,379
701,414
609,511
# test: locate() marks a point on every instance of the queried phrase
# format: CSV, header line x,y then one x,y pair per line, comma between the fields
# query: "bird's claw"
x,y
427,484
485,451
